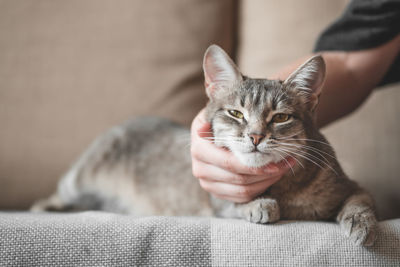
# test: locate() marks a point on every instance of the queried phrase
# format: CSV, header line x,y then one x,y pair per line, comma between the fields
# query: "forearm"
x,y
351,77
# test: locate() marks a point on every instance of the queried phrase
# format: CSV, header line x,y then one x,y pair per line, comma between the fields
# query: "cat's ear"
x,y
219,70
308,80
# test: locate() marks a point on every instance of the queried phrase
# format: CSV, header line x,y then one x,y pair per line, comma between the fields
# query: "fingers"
x,y
200,126
237,193
213,173
234,187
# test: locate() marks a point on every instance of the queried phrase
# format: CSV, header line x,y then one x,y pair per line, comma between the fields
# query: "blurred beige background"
x,y
71,69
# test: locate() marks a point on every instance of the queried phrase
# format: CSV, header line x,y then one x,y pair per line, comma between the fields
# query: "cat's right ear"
x,y
219,70
308,79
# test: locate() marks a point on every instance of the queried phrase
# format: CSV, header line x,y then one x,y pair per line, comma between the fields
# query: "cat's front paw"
x,y
262,210
361,227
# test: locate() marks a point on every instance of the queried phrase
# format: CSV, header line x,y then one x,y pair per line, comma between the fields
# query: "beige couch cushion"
x,y
71,69
274,33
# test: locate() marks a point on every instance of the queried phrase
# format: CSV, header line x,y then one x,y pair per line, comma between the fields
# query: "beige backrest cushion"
x,y
273,33
71,69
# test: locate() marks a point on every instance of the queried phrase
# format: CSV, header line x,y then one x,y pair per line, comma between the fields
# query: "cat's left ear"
x,y
308,80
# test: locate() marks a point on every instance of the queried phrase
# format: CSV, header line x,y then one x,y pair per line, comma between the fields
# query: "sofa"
x,y
71,69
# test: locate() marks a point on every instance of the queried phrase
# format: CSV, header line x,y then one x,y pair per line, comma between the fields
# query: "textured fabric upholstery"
x,y
104,239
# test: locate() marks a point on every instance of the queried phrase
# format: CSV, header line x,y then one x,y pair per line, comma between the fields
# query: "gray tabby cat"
x,y
143,168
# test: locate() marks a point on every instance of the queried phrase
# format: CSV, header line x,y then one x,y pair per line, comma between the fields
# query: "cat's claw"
x,y
361,228
261,211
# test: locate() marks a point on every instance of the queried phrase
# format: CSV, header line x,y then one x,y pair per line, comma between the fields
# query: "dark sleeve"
x,y
365,24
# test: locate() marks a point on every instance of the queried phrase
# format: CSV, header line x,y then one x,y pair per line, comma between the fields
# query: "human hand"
x,y
221,174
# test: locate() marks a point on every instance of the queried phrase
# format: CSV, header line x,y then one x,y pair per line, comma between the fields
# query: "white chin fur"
x,y
256,159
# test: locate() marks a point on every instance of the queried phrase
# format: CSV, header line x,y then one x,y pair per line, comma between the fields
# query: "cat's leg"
x,y
358,220
261,210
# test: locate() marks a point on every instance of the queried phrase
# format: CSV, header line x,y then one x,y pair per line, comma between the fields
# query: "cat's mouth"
x,y
255,151
256,158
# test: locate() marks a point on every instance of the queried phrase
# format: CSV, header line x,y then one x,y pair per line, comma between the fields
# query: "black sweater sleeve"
x,y
365,24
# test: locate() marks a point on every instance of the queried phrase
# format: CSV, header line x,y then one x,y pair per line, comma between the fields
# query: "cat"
x,y
143,168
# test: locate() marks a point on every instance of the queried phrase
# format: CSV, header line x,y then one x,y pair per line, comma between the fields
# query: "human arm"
x,y
350,78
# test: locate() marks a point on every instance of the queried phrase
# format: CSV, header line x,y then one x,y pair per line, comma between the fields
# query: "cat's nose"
x,y
256,138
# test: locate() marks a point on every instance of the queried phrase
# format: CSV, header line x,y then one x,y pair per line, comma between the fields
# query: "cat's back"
x,y
137,142
143,167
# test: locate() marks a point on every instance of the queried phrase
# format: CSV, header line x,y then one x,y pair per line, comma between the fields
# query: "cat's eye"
x,y
280,117
236,114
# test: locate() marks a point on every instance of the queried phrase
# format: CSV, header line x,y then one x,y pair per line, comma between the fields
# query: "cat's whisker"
x,y
325,161
184,136
305,139
289,136
183,139
223,139
206,132
215,140
308,158
322,161
302,156
283,158
316,150
287,154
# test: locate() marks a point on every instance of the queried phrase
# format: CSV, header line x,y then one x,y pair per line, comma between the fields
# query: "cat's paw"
x,y
361,227
263,210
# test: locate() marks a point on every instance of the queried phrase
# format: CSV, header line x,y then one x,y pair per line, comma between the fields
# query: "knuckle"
x,y
241,179
196,171
255,171
228,165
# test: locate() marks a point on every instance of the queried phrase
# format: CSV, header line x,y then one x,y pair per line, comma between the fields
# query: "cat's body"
x,y
143,167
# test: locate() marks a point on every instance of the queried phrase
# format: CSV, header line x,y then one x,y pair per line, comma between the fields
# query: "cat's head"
x,y
254,117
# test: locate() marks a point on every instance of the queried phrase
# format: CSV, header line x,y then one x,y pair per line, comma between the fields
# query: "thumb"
x,y
201,126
